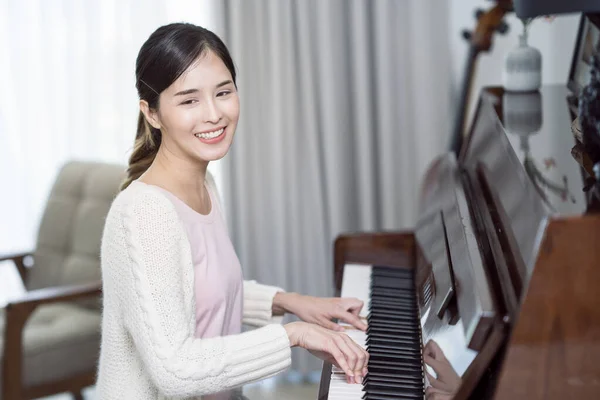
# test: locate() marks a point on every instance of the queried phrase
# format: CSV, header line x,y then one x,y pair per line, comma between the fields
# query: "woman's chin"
x,y
208,156
204,152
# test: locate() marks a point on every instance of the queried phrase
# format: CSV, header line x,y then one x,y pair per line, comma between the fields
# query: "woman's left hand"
x,y
321,310
447,382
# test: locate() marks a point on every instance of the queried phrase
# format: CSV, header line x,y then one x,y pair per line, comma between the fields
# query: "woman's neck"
x,y
180,176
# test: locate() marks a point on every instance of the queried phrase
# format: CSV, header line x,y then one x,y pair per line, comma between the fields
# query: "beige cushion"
x,y
68,243
59,340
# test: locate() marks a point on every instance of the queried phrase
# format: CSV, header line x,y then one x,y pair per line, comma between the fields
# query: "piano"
x,y
501,271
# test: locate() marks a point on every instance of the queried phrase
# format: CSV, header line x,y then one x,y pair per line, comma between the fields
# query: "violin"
x,y
480,40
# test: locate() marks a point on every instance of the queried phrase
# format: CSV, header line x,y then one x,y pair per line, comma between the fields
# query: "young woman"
x,y
174,298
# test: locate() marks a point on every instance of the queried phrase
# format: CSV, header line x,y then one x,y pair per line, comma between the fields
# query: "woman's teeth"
x,y
210,135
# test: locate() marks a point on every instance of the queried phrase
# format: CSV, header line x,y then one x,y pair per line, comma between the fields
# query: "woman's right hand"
x,y
334,347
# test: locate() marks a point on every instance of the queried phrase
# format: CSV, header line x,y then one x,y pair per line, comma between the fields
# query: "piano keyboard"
x,y
393,339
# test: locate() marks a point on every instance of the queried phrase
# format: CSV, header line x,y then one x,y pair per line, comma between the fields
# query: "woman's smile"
x,y
211,137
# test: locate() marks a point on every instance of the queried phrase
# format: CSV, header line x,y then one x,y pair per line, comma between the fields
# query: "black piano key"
x,y
383,323
393,272
408,394
397,396
386,315
384,397
388,323
406,303
403,385
375,332
394,308
367,396
394,284
400,387
402,370
392,294
399,303
389,280
393,332
395,350
416,350
396,364
392,376
399,357
407,342
414,382
400,315
393,337
398,309
395,304
412,357
392,275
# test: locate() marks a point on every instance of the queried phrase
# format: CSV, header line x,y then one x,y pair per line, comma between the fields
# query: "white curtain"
x,y
344,103
67,79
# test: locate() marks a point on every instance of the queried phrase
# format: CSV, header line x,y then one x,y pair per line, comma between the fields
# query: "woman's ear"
x,y
150,115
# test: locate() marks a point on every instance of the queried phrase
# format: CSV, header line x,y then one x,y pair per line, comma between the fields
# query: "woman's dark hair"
x,y
167,54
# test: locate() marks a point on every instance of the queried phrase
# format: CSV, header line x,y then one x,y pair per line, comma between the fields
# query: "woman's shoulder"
x,y
139,197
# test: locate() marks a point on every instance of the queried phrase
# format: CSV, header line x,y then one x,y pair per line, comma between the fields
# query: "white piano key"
x,y
355,283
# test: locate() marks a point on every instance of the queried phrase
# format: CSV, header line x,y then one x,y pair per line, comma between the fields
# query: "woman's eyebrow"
x,y
190,91
184,92
227,82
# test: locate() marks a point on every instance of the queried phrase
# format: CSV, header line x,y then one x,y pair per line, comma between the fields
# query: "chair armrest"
x,y
7,257
17,312
57,294
19,260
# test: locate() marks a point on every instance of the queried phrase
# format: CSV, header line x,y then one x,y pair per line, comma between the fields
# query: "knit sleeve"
x,y
160,321
258,304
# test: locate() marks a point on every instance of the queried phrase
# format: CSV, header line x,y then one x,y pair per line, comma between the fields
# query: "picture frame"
x,y
588,36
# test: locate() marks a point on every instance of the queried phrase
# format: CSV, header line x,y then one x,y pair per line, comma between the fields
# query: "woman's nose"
x,y
212,112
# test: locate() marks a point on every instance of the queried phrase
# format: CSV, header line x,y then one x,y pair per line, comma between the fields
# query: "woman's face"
x,y
199,112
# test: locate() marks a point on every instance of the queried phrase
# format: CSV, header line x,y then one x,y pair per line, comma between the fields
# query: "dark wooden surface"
x,y
395,249
554,350
540,239
477,370
19,260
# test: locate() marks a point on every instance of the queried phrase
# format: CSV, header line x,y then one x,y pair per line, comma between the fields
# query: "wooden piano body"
x,y
506,255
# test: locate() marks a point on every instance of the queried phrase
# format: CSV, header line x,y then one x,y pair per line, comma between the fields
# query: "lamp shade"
x,y
535,8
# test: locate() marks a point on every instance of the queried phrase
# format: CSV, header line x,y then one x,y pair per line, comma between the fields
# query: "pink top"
x,y
217,272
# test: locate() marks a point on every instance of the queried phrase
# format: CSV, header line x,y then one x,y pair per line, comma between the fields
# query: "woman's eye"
x,y
190,101
223,93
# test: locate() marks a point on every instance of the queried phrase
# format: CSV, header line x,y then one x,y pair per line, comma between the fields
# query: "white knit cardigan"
x,y
148,348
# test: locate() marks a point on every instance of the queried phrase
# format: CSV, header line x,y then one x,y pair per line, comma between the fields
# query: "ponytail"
x,y
147,142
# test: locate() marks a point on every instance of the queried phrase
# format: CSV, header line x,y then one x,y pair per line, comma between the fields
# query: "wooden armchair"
x,y
50,338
